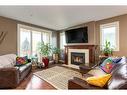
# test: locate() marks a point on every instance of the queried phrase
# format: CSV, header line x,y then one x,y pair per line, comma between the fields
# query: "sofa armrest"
x,y
123,86
77,83
9,77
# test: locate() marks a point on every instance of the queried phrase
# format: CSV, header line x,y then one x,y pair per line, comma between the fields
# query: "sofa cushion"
x,y
119,78
23,67
99,81
8,60
96,72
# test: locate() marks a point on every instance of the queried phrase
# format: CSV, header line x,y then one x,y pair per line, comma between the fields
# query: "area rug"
x,y
58,76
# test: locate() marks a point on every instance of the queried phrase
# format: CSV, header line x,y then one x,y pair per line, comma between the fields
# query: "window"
x,y
110,32
62,40
29,37
46,37
25,42
36,38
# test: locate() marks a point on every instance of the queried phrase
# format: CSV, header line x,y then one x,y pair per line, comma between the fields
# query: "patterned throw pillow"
x,y
123,60
107,65
99,81
117,59
21,61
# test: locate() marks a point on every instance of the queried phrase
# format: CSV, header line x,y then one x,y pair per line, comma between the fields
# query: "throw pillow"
x,y
11,58
21,61
123,60
99,81
117,59
5,63
107,65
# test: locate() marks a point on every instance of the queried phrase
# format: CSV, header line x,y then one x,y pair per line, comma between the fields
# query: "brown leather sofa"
x,y
11,77
117,81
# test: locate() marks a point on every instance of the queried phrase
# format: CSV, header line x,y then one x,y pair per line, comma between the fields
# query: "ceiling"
x,y
60,17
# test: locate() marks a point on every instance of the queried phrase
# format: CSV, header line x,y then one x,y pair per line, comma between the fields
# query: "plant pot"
x,y
106,54
56,58
45,60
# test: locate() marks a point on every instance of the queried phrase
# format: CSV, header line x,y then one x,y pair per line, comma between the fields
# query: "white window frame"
x,y
32,29
108,25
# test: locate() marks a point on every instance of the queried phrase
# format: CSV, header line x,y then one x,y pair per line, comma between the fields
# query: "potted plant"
x,y
44,50
107,50
55,52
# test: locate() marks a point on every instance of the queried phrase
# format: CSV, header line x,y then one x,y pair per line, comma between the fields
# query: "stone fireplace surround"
x,y
87,49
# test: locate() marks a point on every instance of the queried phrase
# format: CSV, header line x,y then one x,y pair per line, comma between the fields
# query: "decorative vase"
x,y
56,58
45,60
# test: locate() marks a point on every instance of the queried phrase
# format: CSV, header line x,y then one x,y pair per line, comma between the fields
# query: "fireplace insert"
x,y
77,58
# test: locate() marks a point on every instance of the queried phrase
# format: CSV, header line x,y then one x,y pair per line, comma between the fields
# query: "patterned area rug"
x,y
58,76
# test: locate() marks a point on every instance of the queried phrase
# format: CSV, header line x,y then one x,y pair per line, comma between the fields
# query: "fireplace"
x,y
86,50
89,51
77,58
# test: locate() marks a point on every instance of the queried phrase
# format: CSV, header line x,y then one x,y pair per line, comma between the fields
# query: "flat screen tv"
x,y
78,35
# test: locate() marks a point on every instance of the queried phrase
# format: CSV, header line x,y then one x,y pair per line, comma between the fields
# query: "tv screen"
x,y
78,35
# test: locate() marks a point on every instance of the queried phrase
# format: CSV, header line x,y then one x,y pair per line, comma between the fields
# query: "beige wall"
x,y
122,33
9,44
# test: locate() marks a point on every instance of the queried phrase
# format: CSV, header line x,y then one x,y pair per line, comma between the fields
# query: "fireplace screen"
x,y
77,58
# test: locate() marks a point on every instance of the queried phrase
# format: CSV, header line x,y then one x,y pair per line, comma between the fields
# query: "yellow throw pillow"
x,y
98,81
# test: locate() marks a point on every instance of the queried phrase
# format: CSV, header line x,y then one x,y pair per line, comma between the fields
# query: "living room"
x,y
63,47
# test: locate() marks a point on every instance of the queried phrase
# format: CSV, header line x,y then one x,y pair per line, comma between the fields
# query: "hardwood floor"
x,y
37,83
34,82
